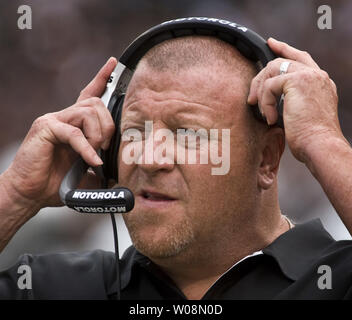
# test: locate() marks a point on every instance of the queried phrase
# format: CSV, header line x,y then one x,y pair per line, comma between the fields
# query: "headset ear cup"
x,y
110,156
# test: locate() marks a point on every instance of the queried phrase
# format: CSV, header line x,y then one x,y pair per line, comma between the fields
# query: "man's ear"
x,y
272,148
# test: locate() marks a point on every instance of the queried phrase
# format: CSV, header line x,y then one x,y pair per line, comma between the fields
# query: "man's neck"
x,y
196,270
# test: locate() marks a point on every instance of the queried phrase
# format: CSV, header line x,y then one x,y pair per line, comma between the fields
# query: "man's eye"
x,y
203,133
186,131
192,138
132,135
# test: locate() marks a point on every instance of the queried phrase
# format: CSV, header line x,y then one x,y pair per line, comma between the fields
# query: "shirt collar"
x,y
295,251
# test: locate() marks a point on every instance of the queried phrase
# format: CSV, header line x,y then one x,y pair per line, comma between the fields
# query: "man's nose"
x,y
158,151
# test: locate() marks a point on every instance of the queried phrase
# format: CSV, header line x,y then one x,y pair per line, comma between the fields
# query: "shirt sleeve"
x,y
85,275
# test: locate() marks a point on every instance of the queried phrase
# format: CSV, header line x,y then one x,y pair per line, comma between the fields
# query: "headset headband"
x,y
249,43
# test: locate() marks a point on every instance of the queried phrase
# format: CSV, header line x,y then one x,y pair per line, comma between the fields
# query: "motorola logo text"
x,y
98,195
217,21
120,209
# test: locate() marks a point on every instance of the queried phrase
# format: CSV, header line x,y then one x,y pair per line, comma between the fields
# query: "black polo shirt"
x,y
289,268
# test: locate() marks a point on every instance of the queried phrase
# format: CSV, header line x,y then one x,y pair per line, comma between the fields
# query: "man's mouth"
x,y
154,200
155,196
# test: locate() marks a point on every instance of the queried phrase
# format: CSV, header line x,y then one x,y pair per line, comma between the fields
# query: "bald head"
x,y
179,54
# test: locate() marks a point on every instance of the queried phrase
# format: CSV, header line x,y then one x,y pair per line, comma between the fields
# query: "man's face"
x,y
180,207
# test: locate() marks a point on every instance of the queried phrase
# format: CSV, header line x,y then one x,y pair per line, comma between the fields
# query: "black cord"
x,y
117,256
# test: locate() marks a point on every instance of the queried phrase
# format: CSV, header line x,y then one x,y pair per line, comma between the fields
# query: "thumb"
x,y
96,87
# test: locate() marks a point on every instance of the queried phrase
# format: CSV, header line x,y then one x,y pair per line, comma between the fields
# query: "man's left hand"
x,y
310,105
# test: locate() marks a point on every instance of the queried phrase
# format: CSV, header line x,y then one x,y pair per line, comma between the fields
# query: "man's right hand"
x,y
54,142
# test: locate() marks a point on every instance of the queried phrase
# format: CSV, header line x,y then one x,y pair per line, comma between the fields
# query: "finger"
x,y
64,133
284,50
272,89
97,86
97,109
85,118
107,124
272,69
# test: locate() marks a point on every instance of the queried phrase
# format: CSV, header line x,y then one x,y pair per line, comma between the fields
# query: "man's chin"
x,y
161,242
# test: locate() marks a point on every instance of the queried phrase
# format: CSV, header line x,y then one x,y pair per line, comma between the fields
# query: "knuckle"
x,y
324,75
280,60
98,138
333,84
41,122
88,102
95,101
95,139
306,54
110,128
90,111
76,132
82,92
305,75
271,64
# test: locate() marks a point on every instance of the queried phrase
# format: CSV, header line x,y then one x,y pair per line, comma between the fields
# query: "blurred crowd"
x,y
44,69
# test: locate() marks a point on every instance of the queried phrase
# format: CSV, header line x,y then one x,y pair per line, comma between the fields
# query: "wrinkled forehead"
x,y
196,96
207,84
200,69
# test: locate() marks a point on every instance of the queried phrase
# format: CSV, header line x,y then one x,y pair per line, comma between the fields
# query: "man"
x,y
195,235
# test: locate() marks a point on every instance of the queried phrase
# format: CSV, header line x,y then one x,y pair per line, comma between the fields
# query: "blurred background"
x,y
44,69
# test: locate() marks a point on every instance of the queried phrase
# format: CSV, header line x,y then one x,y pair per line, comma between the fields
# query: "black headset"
x,y
120,200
